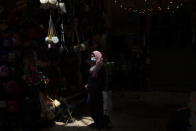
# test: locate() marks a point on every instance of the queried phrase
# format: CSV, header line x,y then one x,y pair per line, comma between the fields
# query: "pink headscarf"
x,y
99,62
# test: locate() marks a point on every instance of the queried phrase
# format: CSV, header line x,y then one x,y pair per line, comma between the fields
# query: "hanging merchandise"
x,y
52,1
62,7
62,47
43,1
149,7
52,36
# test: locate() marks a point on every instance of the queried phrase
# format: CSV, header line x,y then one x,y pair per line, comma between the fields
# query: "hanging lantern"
x,y
62,7
55,39
43,1
53,1
52,36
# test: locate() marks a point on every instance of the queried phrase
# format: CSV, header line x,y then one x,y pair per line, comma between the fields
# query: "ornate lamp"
x,y
48,2
52,38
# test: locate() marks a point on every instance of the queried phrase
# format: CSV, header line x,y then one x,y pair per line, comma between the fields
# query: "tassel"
x,y
52,36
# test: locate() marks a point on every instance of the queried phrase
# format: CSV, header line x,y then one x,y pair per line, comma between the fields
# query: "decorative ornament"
x,y
48,1
46,4
46,39
53,1
55,39
62,7
52,36
149,7
62,47
43,1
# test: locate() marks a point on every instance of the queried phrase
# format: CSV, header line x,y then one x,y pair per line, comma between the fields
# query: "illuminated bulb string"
x,y
151,6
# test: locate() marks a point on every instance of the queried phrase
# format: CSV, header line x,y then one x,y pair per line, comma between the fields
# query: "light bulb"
x,y
52,1
43,1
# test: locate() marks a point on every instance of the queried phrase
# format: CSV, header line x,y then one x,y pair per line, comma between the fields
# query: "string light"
x,y
152,7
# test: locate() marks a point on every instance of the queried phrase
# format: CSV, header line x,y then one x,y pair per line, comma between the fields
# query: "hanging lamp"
x,y
52,36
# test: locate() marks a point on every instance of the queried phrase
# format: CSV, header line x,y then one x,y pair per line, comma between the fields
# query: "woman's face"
x,y
93,59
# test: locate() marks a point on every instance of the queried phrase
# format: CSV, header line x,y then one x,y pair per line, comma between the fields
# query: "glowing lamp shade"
x,y
43,1
52,1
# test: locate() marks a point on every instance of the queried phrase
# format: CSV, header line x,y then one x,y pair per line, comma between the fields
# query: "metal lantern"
x,y
52,36
43,1
52,2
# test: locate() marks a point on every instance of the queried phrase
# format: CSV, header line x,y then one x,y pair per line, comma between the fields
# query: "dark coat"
x,y
95,98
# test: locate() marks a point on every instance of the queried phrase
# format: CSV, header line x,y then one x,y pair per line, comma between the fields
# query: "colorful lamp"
x,y
52,36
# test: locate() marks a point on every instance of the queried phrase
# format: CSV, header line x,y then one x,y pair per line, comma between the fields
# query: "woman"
x,y
96,83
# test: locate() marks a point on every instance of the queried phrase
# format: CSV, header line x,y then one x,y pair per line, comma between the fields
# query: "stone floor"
x,y
129,114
